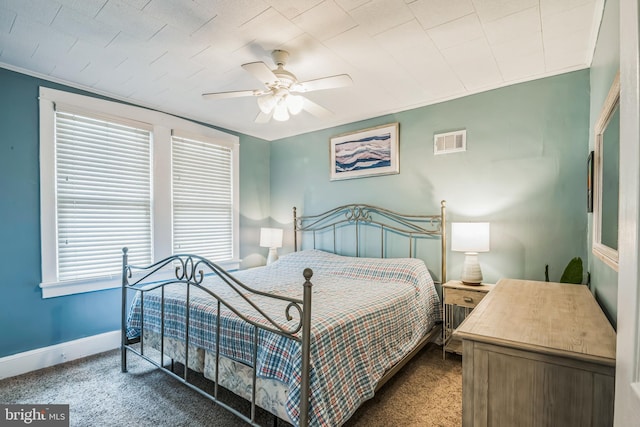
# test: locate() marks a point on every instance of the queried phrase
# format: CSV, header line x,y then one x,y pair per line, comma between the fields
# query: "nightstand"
x,y
457,294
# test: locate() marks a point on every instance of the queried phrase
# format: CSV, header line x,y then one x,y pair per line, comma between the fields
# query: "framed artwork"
x,y
590,182
367,152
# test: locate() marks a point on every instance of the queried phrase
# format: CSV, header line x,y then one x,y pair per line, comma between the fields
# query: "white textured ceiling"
x,y
401,54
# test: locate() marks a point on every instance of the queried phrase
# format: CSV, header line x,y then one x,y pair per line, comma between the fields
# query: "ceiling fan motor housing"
x,y
280,57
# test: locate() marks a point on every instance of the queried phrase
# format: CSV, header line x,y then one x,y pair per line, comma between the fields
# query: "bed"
x,y
307,338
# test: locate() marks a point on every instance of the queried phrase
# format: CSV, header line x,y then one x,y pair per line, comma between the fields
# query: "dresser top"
x,y
553,318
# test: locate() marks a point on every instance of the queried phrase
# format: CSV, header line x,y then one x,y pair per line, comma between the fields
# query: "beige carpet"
x,y
426,392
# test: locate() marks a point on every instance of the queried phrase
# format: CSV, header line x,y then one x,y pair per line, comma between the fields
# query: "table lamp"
x,y
271,238
470,238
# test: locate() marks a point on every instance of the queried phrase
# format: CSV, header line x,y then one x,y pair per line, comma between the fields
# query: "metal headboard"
x,y
358,215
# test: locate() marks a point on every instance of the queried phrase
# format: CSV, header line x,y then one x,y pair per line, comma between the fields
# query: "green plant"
x,y
571,274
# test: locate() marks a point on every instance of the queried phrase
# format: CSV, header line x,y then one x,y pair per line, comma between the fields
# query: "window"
x,y
114,175
202,198
103,201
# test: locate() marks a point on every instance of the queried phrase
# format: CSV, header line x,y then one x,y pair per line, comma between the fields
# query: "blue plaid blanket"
x,y
366,315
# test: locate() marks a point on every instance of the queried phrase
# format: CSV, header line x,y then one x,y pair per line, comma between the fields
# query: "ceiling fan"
x,y
279,98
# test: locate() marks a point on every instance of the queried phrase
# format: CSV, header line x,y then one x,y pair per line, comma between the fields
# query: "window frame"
x,y
162,126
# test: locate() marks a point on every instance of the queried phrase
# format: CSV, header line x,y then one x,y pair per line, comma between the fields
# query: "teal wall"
x,y
605,65
255,201
26,320
524,171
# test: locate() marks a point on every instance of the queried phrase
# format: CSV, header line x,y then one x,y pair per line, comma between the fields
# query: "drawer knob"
x,y
468,299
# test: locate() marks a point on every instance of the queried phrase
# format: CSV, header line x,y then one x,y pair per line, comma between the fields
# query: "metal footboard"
x,y
189,271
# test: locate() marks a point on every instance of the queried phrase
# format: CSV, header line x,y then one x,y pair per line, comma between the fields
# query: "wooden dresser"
x,y
537,354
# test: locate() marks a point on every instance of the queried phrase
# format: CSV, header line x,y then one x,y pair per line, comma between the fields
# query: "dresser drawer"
x,y
463,297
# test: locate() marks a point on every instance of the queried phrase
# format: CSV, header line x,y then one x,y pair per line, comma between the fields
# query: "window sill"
x,y
68,287
71,287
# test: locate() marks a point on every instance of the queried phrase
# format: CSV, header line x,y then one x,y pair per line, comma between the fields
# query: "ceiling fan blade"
x,y
260,71
232,94
263,117
331,82
315,109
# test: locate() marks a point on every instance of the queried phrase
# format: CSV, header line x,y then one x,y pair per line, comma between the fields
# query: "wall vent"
x,y
450,142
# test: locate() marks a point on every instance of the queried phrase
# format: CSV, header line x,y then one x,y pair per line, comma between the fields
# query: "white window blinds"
x,y
103,199
202,198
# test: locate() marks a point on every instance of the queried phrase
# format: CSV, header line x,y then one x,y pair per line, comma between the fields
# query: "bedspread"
x,y
366,315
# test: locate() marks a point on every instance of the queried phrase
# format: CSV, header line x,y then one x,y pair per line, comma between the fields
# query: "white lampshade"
x,y
271,238
470,238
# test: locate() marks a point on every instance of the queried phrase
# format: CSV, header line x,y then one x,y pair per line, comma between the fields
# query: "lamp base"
x,y
273,255
471,272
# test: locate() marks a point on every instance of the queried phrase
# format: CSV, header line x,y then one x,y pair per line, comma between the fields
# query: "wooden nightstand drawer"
x,y
463,297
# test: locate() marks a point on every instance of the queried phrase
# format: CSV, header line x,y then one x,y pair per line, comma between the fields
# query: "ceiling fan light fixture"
x,y
276,100
281,112
294,103
267,103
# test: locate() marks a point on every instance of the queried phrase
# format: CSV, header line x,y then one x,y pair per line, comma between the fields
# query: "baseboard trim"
x,y
44,357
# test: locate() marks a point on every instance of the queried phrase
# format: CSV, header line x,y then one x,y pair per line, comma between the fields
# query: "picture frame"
x,y
365,153
590,178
